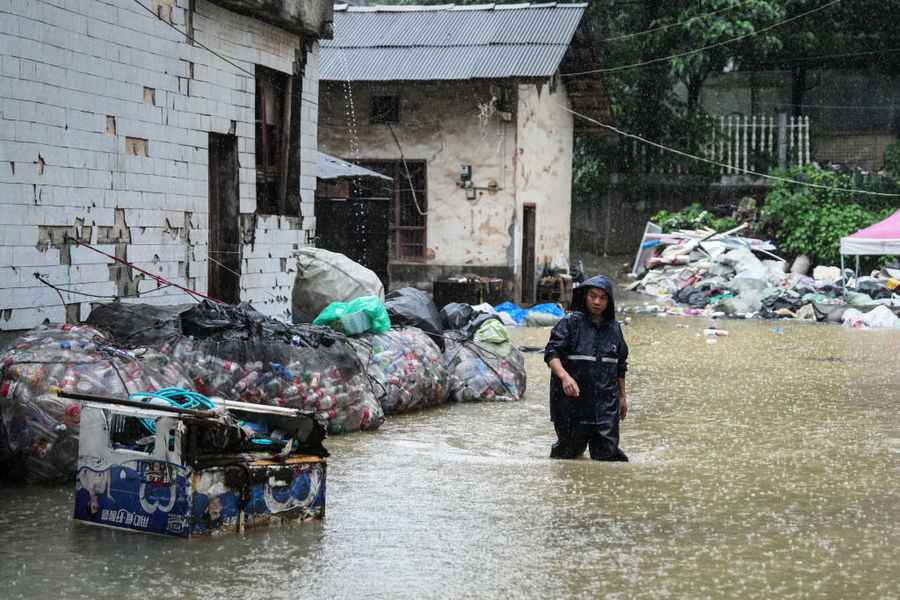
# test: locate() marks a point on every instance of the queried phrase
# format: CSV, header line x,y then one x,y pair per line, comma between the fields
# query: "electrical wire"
x,y
704,48
157,278
724,165
408,176
60,289
193,40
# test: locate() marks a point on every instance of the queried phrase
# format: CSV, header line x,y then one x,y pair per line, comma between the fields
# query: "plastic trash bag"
x,y
414,308
483,371
324,277
543,315
516,313
135,325
40,430
328,380
406,368
881,317
457,315
539,319
360,315
237,353
492,332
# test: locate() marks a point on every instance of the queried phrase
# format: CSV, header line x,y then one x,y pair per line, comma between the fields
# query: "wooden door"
x,y
224,266
528,257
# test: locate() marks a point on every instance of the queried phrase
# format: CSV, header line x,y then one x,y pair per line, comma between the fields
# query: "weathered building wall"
x,y
450,124
544,166
105,115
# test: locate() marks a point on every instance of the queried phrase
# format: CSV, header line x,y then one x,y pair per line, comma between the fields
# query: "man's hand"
x,y
623,406
570,387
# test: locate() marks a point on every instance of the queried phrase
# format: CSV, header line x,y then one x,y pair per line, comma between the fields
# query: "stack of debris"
x,y
720,274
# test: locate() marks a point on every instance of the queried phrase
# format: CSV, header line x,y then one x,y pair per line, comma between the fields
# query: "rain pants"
x,y
595,355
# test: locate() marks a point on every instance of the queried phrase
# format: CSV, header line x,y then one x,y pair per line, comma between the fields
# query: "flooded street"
x,y
766,465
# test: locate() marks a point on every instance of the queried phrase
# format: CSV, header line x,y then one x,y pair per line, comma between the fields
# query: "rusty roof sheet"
x,y
429,43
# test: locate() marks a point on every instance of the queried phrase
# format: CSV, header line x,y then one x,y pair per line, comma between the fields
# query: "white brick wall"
x,y
64,68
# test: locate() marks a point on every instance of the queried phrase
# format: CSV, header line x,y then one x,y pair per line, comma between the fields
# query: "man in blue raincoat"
x,y
588,358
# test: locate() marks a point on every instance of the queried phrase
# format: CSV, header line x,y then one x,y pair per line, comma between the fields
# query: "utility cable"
x,y
406,168
724,165
157,278
60,289
704,48
193,40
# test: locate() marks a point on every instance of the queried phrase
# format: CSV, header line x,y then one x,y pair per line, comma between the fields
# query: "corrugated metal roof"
x,y
428,43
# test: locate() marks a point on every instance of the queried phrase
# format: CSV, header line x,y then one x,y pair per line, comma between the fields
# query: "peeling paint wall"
x,y
449,124
105,115
544,167
440,124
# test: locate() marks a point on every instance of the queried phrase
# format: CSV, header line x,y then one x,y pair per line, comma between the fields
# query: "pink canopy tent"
x,y
878,239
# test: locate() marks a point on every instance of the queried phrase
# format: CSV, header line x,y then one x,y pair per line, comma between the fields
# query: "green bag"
x,y
496,334
366,313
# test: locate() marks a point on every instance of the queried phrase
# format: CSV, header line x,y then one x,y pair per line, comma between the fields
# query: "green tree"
x,y
812,221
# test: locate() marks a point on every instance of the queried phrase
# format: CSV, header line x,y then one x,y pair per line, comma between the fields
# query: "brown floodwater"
x,y
766,465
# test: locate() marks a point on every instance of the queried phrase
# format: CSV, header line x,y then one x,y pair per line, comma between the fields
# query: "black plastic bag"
x,y
138,324
414,308
456,315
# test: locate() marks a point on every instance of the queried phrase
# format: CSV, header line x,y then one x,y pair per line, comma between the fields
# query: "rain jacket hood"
x,y
579,296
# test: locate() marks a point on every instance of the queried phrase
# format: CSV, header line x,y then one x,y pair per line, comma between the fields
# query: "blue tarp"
x,y
518,314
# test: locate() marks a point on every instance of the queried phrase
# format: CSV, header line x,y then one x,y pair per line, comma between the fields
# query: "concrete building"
x,y
176,135
469,110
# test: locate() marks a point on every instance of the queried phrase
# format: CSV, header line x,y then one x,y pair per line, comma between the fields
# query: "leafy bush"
x,y
892,159
812,220
691,217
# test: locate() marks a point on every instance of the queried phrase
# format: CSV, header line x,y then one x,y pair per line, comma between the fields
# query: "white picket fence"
x,y
739,141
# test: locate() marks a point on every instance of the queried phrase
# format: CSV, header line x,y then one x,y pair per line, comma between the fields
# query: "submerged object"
x,y
163,469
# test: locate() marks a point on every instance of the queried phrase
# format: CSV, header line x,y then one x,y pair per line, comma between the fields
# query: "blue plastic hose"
x,y
177,397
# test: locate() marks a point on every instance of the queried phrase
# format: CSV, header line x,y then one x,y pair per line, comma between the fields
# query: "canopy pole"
x,y
843,276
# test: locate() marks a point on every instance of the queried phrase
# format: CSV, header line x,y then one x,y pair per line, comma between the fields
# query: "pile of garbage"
x,y
513,315
38,429
234,353
482,363
721,275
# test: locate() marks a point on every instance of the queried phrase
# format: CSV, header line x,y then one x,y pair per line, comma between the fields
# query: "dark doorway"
x,y
353,218
528,258
224,251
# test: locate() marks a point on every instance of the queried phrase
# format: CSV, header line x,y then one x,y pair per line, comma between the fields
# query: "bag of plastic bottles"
x,y
406,368
40,429
237,353
329,380
483,371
